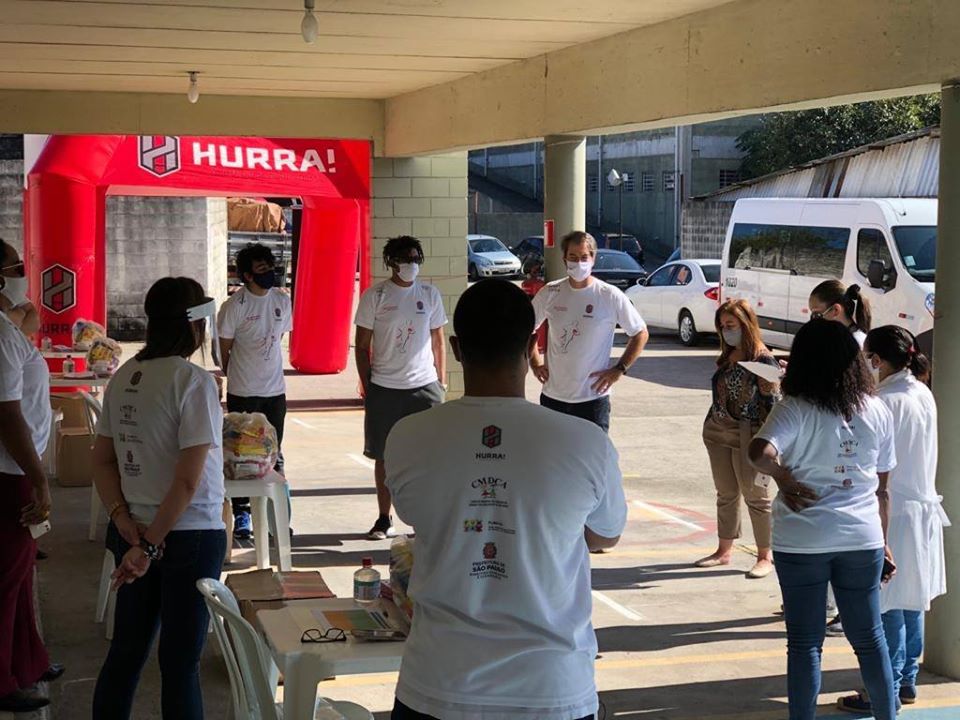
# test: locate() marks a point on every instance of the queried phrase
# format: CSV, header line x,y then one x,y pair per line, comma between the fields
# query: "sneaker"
x,y
858,704
382,529
242,526
908,694
835,628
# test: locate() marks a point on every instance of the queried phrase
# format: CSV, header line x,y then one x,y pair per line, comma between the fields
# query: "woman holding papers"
x,y
915,533
741,402
829,446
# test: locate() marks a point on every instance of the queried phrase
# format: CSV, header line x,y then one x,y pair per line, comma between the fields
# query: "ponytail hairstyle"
x,y
854,304
898,348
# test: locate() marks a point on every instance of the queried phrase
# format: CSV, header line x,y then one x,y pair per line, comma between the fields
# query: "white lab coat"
x,y
915,533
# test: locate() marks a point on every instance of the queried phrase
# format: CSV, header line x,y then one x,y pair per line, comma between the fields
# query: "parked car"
x,y
488,257
684,295
531,247
625,243
617,268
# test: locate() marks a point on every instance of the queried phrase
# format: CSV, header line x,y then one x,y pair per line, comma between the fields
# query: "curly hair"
x,y
397,250
828,369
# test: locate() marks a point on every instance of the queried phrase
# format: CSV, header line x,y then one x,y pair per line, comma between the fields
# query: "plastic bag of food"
x,y
401,565
104,356
85,332
250,446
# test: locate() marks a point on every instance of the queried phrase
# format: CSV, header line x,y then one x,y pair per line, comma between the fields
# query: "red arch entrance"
x,y
65,208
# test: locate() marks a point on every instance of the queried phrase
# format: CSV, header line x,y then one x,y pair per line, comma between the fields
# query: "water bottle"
x,y
366,583
46,344
69,366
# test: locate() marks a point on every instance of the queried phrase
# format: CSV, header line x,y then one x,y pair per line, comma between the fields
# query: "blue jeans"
x,y
855,577
904,631
596,411
166,598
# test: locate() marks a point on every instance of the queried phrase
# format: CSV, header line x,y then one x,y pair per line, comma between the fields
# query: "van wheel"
x,y
688,329
472,275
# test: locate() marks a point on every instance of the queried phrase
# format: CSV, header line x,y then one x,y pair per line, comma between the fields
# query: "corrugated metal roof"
x,y
903,166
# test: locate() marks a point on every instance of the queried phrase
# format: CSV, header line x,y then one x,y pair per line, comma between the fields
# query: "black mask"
x,y
266,280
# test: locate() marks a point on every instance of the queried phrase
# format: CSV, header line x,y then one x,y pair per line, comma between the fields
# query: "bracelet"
x,y
621,367
153,552
117,506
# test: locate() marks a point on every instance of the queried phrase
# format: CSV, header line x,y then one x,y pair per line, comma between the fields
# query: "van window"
x,y
872,245
811,251
917,246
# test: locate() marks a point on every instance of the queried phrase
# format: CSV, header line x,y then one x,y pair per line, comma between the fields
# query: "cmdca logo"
x,y
252,158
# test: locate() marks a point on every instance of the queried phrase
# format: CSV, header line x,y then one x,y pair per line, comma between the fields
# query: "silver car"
x,y
488,257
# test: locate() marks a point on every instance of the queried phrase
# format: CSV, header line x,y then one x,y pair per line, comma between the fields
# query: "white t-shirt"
x,y
401,319
501,576
840,461
256,325
580,334
152,410
24,377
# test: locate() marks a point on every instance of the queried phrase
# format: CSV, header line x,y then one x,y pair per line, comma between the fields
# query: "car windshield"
x,y
616,261
487,245
917,245
711,273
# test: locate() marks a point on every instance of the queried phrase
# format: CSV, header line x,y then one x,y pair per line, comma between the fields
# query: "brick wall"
x,y
152,237
426,197
11,202
704,228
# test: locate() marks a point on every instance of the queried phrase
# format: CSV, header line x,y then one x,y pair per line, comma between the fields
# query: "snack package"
x,y
401,565
250,446
85,332
104,356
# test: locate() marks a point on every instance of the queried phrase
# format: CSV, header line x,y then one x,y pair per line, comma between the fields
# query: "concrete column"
x,y
564,193
942,651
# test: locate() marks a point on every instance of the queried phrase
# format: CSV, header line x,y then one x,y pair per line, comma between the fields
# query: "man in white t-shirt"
x,y
505,505
582,314
401,357
251,327
25,500
13,291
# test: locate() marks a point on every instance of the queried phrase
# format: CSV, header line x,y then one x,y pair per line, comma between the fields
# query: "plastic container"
x,y
69,366
366,583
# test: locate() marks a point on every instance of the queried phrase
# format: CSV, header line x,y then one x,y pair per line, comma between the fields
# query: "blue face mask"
x,y
266,280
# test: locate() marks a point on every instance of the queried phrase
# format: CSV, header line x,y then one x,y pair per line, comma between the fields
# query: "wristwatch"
x,y
621,367
153,552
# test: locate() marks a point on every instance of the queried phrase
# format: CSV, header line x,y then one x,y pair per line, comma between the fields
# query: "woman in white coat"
x,y
915,533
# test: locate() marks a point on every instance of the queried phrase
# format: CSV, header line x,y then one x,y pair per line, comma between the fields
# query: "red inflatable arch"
x,y
65,208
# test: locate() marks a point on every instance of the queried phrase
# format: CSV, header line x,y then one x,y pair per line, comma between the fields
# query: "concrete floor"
x,y
675,641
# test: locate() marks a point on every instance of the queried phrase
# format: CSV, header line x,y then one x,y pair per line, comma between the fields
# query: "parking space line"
x,y
626,612
303,423
361,460
667,516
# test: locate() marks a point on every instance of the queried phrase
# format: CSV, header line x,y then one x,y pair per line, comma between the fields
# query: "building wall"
x,y
509,227
11,202
426,197
704,228
152,237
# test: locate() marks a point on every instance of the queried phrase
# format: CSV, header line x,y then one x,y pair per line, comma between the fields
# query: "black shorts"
x,y
596,411
385,406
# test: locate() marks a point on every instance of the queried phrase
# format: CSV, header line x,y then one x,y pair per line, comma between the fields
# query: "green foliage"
x,y
783,140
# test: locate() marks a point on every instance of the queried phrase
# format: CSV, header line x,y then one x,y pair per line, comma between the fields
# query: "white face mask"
x,y
15,289
733,337
579,271
408,271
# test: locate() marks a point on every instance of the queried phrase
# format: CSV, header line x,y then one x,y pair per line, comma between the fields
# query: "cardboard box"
x,y
268,590
73,408
74,457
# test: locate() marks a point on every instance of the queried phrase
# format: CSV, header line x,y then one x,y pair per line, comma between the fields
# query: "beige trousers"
x,y
727,441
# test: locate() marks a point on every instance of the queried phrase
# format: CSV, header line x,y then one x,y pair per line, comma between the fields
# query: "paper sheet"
x,y
762,370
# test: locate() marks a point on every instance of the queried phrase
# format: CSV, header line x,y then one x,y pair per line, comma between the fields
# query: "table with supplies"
x,y
305,664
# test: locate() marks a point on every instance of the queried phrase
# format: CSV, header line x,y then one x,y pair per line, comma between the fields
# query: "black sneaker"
x,y
835,628
382,529
908,694
20,701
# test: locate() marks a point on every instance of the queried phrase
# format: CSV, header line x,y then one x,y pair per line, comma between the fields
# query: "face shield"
x,y
207,311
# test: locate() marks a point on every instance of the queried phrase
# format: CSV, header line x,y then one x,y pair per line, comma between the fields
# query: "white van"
x,y
778,250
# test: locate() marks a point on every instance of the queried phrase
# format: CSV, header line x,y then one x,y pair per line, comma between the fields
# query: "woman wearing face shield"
x,y
401,357
13,292
741,402
158,468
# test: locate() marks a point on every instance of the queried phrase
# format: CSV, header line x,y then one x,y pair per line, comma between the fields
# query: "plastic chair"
x,y
106,600
253,676
93,409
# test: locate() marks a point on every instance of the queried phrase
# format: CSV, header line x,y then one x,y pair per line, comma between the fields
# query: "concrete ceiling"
x,y
367,48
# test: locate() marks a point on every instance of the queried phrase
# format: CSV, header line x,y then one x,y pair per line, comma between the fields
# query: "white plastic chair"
x,y
253,676
106,600
93,408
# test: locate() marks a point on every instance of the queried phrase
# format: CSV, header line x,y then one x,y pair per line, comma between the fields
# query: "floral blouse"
x,y
737,394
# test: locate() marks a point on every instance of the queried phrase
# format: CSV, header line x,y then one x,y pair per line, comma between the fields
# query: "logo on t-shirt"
x,y
489,487
136,378
402,337
489,551
131,468
492,436
127,415
568,334
589,309
419,307
473,525
848,447
847,483
277,313
489,567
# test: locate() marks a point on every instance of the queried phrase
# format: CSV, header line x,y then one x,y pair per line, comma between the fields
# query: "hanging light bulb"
x,y
193,91
309,27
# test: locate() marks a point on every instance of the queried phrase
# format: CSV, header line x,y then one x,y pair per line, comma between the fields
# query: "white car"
x,y
488,257
683,295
